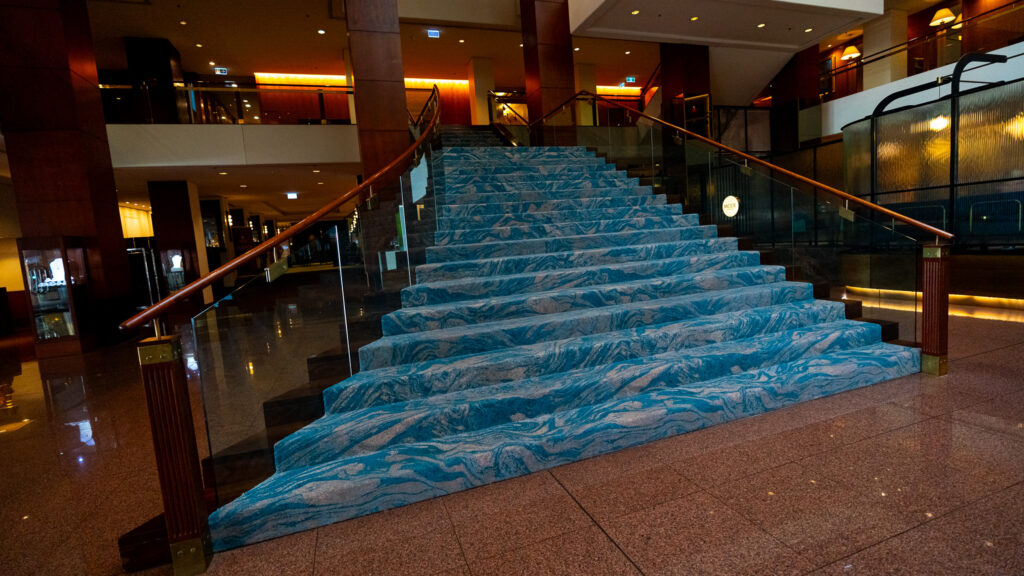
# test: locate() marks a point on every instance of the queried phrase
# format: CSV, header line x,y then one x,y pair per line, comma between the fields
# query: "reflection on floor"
x,y
919,475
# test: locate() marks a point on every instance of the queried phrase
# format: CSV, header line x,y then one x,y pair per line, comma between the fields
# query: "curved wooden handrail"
x,y
195,287
818,185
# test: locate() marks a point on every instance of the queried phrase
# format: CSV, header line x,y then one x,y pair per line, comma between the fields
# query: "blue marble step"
x,y
312,496
561,229
338,435
530,175
449,165
508,265
556,217
577,193
420,379
566,243
431,293
513,153
574,204
452,192
472,312
477,338
577,168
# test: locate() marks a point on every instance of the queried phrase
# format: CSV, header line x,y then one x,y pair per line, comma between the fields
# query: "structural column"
x,y
547,56
685,71
882,33
56,139
935,310
481,83
376,47
178,230
586,79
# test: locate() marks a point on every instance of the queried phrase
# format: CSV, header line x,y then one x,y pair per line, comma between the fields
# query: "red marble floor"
x,y
921,475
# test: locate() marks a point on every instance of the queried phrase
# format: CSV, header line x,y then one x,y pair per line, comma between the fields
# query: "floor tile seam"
x,y
1003,433
755,524
919,525
455,532
976,354
596,523
316,548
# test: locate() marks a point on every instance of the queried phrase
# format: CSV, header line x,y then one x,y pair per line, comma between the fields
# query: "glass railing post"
x,y
935,309
177,457
344,310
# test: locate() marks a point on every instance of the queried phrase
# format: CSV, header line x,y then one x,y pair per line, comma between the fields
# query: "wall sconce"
x,y
943,16
850,53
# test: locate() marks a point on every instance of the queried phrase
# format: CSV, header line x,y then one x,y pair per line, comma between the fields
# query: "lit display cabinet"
x,y
57,283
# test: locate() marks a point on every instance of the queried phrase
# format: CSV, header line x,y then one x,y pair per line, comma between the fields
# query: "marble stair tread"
x,y
456,153
568,193
337,435
491,286
560,229
533,207
537,185
555,217
482,250
314,496
577,169
530,175
547,261
476,338
452,166
419,379
500,308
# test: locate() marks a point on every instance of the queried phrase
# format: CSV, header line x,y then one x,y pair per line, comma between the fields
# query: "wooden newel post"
x,y
935,310
177,458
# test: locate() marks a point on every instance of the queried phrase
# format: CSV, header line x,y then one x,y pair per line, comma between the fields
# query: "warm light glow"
x,y
428,83
849,53
182,22
808,29
300,79
321,32
199,45
939,123
461,41
627,52
135,222
958,23
961,305
761,25
1015,127
618,90
576,49
943,16
694,18
212,63
635,12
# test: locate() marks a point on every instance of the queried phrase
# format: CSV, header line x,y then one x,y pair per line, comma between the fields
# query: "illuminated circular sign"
x,y
730,206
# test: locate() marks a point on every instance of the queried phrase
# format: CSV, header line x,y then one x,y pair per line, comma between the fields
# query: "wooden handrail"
x,y
195,287
513,110
938,232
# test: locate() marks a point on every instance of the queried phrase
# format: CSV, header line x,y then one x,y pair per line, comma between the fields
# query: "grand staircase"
x,y
564,312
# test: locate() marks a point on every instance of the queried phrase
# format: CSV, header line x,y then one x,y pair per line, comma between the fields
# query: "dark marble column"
x,y
547,57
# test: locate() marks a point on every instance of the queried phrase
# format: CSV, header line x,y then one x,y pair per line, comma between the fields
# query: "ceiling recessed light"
x,y
321,32
222,173
576,49
694,18
627,52
198,45
212,63
635,12
461,41
182,22
520,44
319,183
761,25
316,171
808,29
243,185
292,195
829,46
248,105
255,117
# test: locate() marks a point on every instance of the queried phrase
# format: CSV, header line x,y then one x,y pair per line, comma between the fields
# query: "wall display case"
x,y
57,283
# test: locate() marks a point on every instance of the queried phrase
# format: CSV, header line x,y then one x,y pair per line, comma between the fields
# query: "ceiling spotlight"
x,y
222,173
694,18
182,22
255,117
316,171
635,12
808,29
576,49
627,52
212,63
199,45
319,183
461,41
243,185
520,44
829,46
761,25
321,32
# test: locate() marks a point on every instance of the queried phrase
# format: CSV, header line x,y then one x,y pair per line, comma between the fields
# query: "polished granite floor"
x,y
920,475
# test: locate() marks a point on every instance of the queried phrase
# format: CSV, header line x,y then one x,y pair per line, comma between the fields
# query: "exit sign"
x,y
630,79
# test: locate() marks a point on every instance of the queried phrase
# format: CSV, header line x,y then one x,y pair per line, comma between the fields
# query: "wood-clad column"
x,y
376,47
685,71
178,231
177,458
56,142
547,57
935,310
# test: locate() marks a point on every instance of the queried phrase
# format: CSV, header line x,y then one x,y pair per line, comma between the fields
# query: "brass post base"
x,y
191,557
934,365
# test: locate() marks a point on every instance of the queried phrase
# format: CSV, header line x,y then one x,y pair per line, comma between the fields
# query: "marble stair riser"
x,y
579,168
409,381
419,346
409,473
575,204
449,166
431,293
369,430
528,175
469,312
502,198
437,254
561,229
555,217
452,192
511,265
